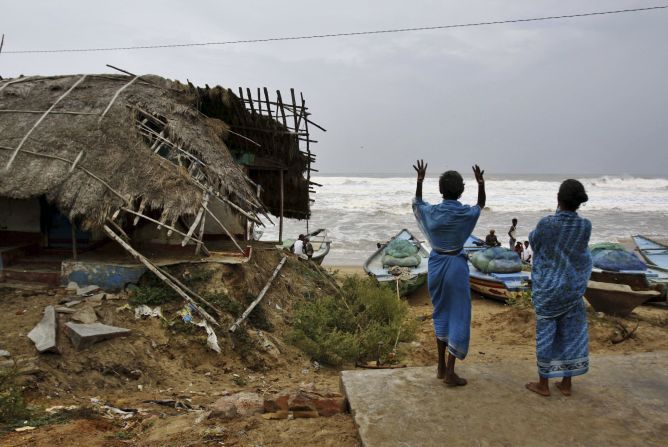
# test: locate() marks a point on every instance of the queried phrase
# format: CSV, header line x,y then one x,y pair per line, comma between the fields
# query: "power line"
x,y
330,35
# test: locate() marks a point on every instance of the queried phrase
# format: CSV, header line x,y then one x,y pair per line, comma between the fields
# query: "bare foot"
x,y
564,388
440,373
454,380
538,388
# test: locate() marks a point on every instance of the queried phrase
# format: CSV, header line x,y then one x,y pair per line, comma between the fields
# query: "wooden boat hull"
x,y
490,287
616,299
418,275
495,290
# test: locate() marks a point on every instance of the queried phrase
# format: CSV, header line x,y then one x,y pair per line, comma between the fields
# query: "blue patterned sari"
x,y
560,273
447,226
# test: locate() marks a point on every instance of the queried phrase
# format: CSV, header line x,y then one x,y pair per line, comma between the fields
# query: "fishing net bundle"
x,y
402,253
497,260
614,257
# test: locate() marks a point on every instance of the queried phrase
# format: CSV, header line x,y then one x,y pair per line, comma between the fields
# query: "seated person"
x,y
308,248
298,246
519,249
527,253
491,240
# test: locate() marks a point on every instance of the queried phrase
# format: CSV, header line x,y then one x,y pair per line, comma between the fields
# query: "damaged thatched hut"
x,y
141,160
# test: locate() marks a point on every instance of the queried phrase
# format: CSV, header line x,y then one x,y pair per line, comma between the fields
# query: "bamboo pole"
x,y
74,241
162,224
41,118
225,230
113,99
153,268
280,223
201,236
257,300
198,217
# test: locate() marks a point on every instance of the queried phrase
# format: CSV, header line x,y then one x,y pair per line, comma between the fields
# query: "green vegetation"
x,y
521,300
152,296
12,405
362,323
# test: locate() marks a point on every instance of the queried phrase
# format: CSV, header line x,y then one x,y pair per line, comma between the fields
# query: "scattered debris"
x,y
44,334
85,314
72,303
302,403
4,353
85,335
144,311
87,290
24,428
59,408
244,403
212,338
622,333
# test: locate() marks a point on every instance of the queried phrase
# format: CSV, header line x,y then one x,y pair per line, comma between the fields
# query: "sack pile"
x,y
496,260
402,253
613,257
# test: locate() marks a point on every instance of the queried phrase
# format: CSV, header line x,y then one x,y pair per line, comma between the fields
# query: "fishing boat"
x,y
655,254
497,286
320,241
617,299
412,278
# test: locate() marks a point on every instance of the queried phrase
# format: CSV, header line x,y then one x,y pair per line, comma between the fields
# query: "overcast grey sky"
x,y
584,95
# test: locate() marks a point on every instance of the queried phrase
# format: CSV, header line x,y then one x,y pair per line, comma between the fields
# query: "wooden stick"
x,y
16,81
153,268
53,112
25,138
280,222
281,107
257,300
244,137
76,160
162,224
142,205
113,99
241,210
266,97
201,235
198,217
225,230
250,100
74,241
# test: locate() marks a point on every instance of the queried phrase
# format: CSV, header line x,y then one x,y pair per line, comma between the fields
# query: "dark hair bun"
x,y
572,194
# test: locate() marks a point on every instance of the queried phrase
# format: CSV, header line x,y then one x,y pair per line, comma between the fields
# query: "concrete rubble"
x,y
85,335
4,353
85,314
288,404
44,334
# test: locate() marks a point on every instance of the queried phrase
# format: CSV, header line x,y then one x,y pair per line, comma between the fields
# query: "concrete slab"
x,y
44,334
623,401
85,335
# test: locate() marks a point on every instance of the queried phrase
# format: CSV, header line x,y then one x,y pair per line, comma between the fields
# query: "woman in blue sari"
x,y
447,226
561,269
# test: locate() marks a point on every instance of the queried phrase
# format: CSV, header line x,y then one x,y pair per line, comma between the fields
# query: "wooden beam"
x,y
257,300
44,115
280,223
160,224
156,270
230,235
266,98
205,200
280,107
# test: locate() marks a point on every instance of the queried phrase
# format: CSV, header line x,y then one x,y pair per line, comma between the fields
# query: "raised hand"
x,y
478,174
421,169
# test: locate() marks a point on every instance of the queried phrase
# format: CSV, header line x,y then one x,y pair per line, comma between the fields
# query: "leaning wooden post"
x,y
149,265
257,300
74,242
280,224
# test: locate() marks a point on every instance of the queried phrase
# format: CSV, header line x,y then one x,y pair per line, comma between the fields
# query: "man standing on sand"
x,y
512,234
447,226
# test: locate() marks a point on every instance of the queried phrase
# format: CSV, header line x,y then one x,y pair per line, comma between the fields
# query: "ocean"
x,y
359,211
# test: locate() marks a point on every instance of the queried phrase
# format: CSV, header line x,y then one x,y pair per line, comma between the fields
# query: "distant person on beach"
x,y
561,268
519,249
447,226
527,253
491,240
512,234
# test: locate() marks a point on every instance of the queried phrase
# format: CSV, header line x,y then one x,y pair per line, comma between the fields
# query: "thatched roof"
x,y
119,166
